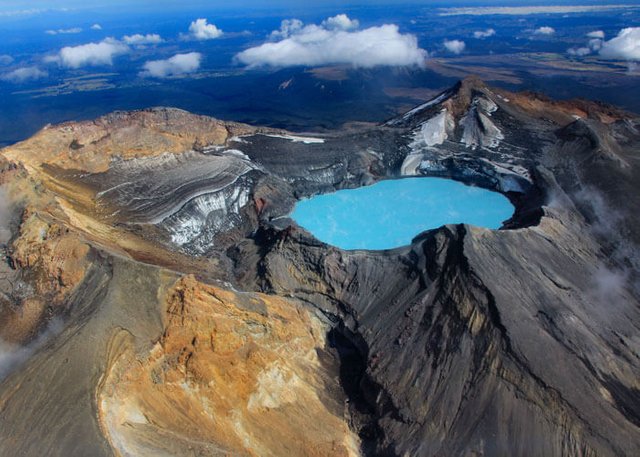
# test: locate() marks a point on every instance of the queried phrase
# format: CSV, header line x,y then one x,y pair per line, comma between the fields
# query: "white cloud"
x,y
329,43
201,30
5,59
63,31
179,64
596,34
526,10
454,46
96,27
544,30
625,46
595,44
287,28
150,38
579,52
482,34
341,22
27,12
24,74
13,355
101,53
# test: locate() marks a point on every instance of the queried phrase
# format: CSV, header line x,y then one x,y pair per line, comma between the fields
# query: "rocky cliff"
x,y
156,300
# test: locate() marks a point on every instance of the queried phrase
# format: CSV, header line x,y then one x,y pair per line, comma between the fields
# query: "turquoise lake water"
x,y
391,213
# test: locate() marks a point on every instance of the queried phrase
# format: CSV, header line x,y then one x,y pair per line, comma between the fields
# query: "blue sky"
x,y
11,5
12,10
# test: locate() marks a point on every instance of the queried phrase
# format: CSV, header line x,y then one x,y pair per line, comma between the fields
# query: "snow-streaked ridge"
x,y
434,101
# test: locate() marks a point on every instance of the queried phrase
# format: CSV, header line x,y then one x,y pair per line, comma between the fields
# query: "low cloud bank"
x,y
335,41
13,355
544,30
200,29
340,22
579,52
100,53
606,223
177,65
593,45
24,74
482,34
527,10
608,283
625,46
90,54
138,39
63,31
454,46
596,34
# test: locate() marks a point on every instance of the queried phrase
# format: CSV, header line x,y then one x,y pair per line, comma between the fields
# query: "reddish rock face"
x,y
260,204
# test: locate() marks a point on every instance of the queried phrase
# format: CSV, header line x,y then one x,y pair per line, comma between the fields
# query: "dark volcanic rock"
x,y
511,342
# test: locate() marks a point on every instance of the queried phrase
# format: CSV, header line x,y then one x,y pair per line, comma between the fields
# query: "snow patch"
x,y
510,176
440,98
374,153
219,211
486,105
431,165
410,164
237,153
297,139
431,133
434,101
434,131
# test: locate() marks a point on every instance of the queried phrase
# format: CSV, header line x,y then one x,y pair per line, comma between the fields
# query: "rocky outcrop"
x,y
173,308
91,145
232,374
46,263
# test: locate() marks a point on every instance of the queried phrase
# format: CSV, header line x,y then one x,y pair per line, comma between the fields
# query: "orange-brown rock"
x,y
233,374
55,256
51,261
19,323
91,145
563,111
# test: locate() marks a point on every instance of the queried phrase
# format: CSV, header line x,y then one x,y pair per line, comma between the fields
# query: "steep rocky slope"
x,y
157,301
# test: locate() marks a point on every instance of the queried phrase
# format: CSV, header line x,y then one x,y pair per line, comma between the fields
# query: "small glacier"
x,y
434,131
215,211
